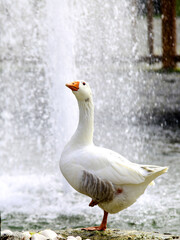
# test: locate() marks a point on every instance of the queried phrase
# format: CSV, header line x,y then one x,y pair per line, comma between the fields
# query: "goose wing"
x,y
111,166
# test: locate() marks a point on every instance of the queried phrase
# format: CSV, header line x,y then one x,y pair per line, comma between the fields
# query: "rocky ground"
x,y
78,234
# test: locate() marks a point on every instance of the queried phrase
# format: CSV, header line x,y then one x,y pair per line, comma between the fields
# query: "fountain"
x,y
45,44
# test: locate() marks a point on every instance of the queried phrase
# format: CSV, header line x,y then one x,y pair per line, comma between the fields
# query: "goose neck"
x,y
84,132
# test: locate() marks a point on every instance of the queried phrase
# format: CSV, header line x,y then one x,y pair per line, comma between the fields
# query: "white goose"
x,y
113,182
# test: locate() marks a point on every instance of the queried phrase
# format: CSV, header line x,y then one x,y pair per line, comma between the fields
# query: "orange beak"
x,y
74,86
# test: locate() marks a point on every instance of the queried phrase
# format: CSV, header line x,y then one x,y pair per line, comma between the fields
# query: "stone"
x,y
49,234
109,234
38,236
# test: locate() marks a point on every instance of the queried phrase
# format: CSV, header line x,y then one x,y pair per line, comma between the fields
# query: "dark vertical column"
x,y
150,27
169,33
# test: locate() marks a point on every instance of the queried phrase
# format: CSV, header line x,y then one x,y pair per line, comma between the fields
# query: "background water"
x,y
45,44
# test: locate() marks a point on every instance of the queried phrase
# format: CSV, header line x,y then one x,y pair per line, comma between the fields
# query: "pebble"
x,y
38,236
71,238
75,238
26,235
78,238
6,232
49,234
43,235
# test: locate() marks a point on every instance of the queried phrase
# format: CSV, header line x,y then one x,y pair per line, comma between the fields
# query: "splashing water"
x,y
45,44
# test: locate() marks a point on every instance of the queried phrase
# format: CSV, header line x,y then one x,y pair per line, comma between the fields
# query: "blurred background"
x,y
129,52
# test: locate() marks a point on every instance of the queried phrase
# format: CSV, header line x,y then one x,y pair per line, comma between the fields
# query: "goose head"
x,y
81,90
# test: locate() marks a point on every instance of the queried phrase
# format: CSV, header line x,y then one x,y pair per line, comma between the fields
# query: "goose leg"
x,y
102,227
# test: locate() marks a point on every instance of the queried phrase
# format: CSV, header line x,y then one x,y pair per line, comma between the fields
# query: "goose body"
x,y
113,182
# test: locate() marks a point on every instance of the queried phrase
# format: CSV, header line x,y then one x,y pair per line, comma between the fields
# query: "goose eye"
x,y
84,83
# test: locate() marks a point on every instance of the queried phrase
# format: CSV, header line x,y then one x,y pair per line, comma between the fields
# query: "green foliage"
x,y
178,8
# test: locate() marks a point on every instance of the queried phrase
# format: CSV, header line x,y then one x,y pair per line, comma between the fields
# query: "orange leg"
x,y
102,227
